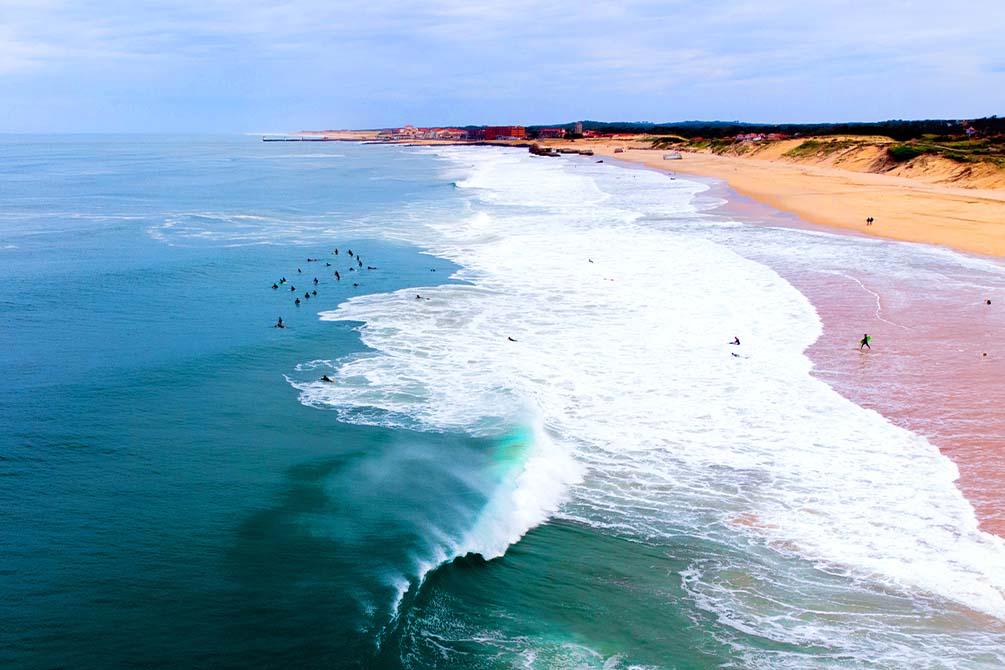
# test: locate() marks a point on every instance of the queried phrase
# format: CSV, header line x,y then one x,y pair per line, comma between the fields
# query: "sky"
x,y
255,66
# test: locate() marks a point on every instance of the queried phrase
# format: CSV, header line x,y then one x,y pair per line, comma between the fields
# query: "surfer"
x,y
988,301
511,339
359,261
736,340
307,296
350,252
293,288
338,277
275,285
371,267
315,281
297,302
335,252
299,271
864,342
326,378
279,323
314,292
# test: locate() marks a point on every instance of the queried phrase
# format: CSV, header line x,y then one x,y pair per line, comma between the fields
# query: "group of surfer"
x,y
313,292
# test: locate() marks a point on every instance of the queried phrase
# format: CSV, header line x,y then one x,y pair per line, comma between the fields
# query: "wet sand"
x,y
926,371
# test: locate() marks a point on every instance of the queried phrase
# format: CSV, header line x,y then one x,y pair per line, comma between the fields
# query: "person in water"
x,y
274,285
314,292
338,277
279,323
864,342
315,281
326,378
293,288
736,340
297,302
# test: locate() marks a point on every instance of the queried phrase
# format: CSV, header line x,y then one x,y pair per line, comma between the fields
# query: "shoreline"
x,y
970,220
929,376
905,209
934,383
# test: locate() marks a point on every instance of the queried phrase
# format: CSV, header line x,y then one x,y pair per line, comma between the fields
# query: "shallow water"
x,y
537,374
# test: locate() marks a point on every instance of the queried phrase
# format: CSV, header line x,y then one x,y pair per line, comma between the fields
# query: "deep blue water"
x,y
167,501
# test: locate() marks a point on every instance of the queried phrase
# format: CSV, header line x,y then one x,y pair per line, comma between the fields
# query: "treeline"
x,y
899,130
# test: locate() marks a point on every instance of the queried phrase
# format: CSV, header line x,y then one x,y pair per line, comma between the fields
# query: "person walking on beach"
x,y
864,342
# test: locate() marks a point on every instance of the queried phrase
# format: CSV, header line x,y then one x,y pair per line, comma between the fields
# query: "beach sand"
x,y
927,372
966,219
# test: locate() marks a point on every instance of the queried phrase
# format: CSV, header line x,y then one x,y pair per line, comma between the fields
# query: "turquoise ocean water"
x,y
533,454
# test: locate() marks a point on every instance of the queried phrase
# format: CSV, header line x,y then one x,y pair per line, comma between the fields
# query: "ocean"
x,y
538,449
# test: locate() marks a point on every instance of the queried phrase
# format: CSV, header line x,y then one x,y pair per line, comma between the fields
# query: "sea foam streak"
x,y
648,423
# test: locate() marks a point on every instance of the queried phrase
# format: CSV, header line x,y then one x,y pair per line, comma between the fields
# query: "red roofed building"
x,y
505,133
551,132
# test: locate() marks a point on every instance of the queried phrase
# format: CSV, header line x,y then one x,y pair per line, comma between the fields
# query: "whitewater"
x,y
592,311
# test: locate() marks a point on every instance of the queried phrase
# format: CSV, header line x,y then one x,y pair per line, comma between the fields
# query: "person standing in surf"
x,y
864,342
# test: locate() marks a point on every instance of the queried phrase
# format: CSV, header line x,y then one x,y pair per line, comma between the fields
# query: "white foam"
x,y
623,363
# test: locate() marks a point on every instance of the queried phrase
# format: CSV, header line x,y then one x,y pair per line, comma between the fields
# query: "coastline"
x,y
930,378
905,209
970,220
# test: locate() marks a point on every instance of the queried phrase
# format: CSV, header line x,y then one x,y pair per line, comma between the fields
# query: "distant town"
x,y
488,133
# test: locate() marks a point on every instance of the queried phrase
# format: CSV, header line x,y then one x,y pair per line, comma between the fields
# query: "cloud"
x,y
632,59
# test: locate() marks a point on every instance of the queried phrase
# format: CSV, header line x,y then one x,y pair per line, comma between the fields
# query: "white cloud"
x,y
640,53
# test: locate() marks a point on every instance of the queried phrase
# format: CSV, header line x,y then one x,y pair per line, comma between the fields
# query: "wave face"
x,y
593,306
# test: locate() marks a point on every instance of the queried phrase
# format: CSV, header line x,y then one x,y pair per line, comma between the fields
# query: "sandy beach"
x,y
928,373
966,219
